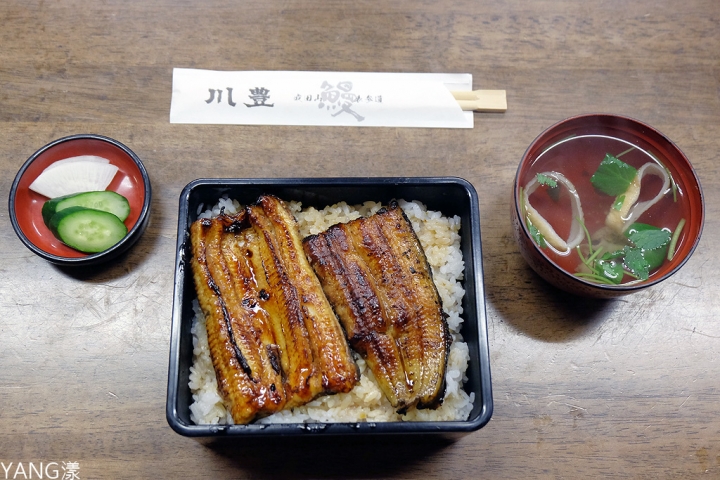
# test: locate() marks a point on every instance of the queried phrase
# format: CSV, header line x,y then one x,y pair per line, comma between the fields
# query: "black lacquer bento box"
x,y
449,195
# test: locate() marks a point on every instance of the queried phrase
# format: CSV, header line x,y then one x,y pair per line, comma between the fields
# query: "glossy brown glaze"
x,y
375,274
303,379
274,340
429,319
240,358
352,291
338,372
318,357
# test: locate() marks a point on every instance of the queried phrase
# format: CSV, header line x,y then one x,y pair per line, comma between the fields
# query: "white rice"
x,y
365,403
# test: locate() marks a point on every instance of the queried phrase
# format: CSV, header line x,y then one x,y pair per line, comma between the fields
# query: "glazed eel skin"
x,y
274,340
376,276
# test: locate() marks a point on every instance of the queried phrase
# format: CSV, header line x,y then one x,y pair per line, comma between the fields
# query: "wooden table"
x,y
626,388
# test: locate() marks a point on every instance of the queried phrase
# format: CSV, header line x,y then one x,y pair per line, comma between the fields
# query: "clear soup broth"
x,y
578,159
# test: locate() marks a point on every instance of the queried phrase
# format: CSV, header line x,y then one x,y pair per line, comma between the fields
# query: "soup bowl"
x,y
560,174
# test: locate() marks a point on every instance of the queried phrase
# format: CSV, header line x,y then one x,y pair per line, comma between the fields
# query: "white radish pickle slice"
x,y
86,173
629,212
79,158
577,233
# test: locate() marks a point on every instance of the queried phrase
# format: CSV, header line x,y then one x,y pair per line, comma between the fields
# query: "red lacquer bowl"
x,y
637,135
131,181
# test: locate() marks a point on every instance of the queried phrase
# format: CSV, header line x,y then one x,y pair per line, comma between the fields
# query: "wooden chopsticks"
x,y
482,100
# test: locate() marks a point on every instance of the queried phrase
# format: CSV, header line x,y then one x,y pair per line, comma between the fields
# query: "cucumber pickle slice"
x,y
106,200
86,229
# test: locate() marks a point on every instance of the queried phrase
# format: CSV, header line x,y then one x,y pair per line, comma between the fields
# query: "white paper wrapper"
x,y
359,99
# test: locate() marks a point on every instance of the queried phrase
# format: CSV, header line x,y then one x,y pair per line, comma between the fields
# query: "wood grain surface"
x,y
627,388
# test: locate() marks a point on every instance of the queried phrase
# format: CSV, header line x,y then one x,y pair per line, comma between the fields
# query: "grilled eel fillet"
x,y
274,341
242,346
376,276
326,366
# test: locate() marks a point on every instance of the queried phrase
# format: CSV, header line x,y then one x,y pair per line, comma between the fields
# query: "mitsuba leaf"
x,y
648,237
613,176
636,263
609,269
615,254
546,180
553,188
652,241
537,236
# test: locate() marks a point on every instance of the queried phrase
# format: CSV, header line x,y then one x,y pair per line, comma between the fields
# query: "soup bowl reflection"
x,y
639,137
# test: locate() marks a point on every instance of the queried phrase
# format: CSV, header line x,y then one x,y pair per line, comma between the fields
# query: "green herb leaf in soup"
x,y
546,180
652,241
611,270
613,176
636,263
553,190
619,201
537,236
648,238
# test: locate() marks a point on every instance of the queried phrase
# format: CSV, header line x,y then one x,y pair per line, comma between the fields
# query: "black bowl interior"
x,y
451,196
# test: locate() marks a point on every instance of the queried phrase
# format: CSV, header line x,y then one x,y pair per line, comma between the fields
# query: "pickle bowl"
x,y
605,205
25,205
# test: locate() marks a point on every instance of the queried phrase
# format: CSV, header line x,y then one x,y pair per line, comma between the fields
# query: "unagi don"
x,y
274,340
375,274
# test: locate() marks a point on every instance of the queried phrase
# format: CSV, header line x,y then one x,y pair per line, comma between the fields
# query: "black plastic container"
x,y
450,195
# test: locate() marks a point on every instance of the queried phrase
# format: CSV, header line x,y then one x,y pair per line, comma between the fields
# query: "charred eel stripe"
x,y
267,299
271,299
211,282
221,266
250,322
348,288
338,372
332,276
377,329
230,368
303,382
436,337
396,298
